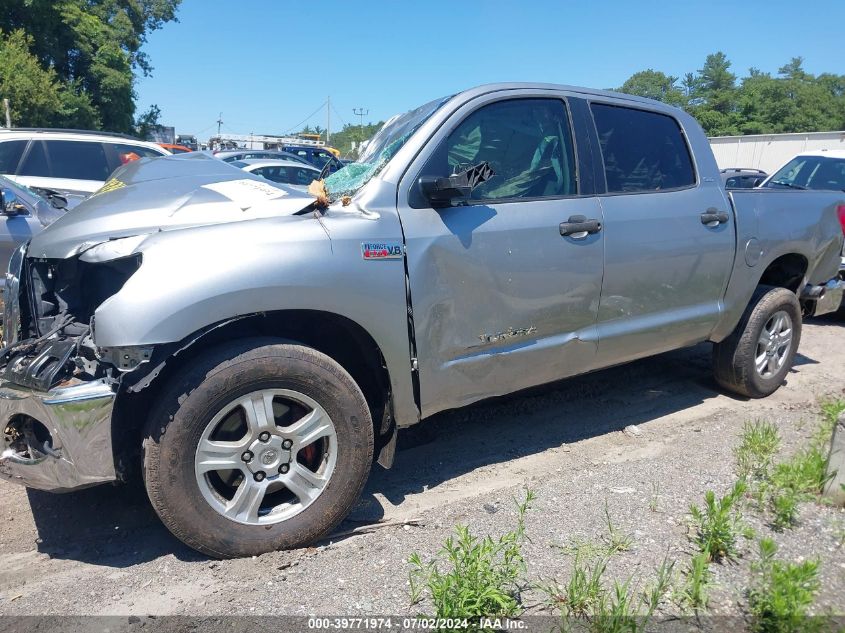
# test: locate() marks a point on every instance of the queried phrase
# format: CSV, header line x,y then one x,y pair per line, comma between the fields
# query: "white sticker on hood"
x,y
246,193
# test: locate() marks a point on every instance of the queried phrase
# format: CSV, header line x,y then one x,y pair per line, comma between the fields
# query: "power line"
x,y
298,126
338,115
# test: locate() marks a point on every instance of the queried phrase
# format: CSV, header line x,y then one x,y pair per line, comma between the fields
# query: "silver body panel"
x,y
500,300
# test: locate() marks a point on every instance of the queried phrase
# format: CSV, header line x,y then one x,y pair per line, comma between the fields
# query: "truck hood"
x,y
165,194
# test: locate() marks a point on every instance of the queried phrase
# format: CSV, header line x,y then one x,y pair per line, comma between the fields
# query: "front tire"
x,y
755,359
257,446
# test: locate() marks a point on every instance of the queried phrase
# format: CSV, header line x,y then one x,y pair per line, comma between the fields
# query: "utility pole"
x,y
8,113
361,112
328,119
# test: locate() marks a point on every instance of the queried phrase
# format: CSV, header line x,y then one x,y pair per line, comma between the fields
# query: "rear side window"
x,y
10,155
642,151
35,161
78,160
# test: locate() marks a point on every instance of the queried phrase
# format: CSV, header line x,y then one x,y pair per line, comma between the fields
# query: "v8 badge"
x,y
381,250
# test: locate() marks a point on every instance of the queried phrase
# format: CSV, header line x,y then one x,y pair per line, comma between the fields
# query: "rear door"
x,y
501,299
669,237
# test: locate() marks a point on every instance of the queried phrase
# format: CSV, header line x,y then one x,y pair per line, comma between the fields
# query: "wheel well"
x,y
787,271
340,338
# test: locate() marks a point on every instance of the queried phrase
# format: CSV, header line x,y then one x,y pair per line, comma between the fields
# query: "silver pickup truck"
x,y
252,350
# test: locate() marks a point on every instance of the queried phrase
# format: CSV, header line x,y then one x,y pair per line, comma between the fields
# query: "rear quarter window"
x,y
642,150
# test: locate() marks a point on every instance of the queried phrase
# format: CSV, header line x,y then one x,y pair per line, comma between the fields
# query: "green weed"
x,y
800,478
655,496
473,577
755,454
615,539
586,599
831,410
719,523
783,593
781,487
693,593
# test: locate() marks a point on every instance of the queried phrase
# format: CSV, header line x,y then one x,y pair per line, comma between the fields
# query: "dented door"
x,y
502,300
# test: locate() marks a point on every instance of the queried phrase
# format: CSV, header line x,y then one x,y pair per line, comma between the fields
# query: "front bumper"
x,y
57,440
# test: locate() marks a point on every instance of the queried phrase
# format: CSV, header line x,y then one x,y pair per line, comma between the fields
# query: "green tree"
x,y
93,46
792,101
37,97
654,85
147,121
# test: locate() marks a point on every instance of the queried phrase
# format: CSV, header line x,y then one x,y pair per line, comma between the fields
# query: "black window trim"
x,y
574,136
599,156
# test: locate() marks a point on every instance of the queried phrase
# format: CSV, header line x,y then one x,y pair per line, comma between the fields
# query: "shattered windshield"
x,y
383,146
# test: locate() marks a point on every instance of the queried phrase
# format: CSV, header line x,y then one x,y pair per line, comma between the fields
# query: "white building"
x,y
770,151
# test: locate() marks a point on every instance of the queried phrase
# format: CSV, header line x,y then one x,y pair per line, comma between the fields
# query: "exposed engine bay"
x,y
56,305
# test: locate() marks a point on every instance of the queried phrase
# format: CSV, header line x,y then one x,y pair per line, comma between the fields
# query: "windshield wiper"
x,y
791,185
57,200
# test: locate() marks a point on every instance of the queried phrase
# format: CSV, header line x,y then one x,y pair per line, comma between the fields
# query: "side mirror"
x,y
445,192
9,204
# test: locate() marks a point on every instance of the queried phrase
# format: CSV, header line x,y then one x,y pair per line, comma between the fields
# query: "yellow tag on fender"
x,y
111,185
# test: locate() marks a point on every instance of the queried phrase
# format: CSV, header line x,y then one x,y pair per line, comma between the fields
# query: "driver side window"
x,y
528,144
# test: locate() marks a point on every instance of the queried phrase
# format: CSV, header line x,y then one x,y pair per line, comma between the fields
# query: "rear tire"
x,y
241,405
754,360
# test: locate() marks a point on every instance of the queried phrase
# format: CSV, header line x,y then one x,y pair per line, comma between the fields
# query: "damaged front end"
x,y
57,389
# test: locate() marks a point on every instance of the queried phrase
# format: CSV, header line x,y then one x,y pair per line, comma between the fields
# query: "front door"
x,y
502,299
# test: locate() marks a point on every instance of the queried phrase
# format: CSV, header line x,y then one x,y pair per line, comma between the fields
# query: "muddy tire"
x,y
258,445
755,359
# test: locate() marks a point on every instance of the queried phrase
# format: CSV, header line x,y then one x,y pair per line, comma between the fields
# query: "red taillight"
x,y
840,211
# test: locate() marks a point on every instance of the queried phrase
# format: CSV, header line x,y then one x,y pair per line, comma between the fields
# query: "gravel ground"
x,y
103,551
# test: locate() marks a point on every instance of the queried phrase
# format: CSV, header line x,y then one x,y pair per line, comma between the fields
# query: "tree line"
x,y
73,63
759,103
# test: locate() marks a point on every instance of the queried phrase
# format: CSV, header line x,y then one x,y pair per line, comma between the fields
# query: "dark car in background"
x,y
316,155
232,155
742,177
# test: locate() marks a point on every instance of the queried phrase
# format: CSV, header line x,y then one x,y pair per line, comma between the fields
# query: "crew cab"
x,y
253,349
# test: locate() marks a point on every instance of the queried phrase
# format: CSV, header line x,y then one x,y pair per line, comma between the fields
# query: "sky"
x,y
269,65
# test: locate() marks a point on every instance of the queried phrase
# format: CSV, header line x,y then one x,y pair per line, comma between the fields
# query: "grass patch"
x,y
653,502
612,541
693,593
780,487
755,454
831,410
780,599
474,577
615,539
719,523
588,601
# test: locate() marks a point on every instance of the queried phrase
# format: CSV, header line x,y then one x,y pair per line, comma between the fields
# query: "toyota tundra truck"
x,y
251,350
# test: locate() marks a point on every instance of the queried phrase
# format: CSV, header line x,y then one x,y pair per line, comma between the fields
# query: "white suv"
x,y
67,160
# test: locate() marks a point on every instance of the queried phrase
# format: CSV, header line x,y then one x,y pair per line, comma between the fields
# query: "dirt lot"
x,y
103,551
